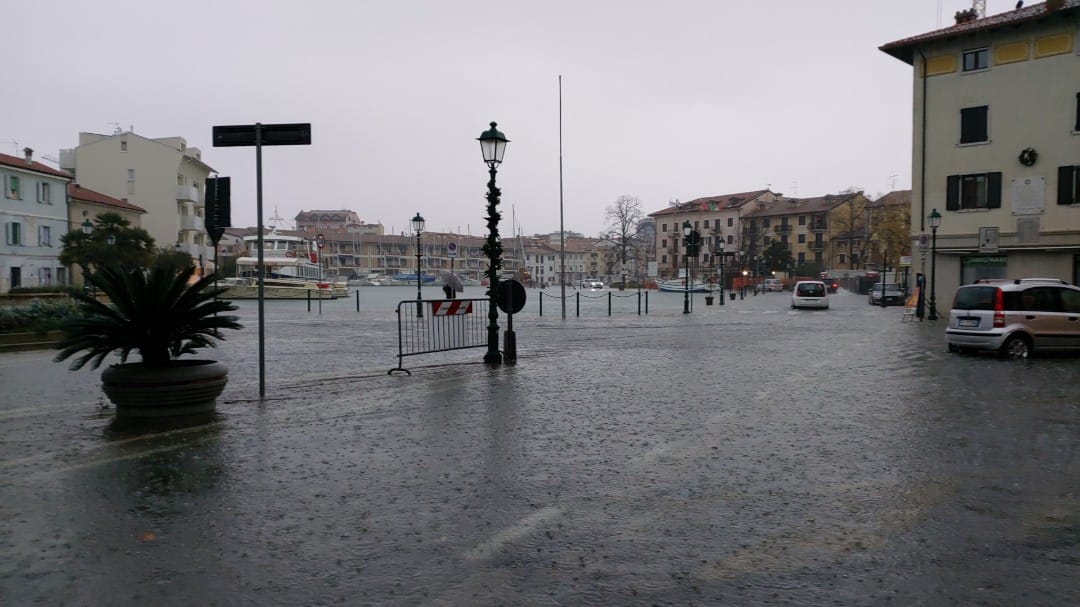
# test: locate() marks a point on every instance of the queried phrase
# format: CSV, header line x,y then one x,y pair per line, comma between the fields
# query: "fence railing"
x,y
642,299
439,325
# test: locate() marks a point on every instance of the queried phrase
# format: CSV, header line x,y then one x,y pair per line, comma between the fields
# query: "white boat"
x,y
370,280
591,285
292,270
679,285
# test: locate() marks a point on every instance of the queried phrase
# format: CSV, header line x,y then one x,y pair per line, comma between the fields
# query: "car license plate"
x,y
968,322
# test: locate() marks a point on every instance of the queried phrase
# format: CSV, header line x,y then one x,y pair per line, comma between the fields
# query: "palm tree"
x,y
158,312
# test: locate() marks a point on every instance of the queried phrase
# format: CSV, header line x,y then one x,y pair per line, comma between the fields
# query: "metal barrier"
x,y
440,325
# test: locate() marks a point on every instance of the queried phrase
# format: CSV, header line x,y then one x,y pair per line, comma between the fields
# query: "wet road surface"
x,y
741,455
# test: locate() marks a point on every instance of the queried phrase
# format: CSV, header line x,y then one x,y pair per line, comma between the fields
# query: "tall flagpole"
x,y
562,232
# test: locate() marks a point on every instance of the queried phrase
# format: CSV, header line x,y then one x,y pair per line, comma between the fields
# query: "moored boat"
x,y
292,270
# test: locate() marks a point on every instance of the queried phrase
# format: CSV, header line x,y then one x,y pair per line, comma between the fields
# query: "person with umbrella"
x,y
451,284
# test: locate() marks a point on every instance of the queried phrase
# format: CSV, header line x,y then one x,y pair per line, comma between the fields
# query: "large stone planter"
x,y
185,387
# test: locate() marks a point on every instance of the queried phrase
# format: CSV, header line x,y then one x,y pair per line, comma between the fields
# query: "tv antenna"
x,y
892,182
14,144
116,128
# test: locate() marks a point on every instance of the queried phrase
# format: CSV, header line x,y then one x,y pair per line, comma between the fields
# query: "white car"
x,y
774,284
809,294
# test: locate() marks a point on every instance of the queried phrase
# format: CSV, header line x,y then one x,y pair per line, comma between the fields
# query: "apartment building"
x,y
84,204
34,217
996,144
163,176
821,230
714,217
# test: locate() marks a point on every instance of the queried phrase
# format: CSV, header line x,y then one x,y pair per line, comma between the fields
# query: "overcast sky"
x,y
661,100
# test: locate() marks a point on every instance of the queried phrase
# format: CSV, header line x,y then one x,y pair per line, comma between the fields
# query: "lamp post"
x,y
935,222
718,252
418,227
493,146
884,275
686,229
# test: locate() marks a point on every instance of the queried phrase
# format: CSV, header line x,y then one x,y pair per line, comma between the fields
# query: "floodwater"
x,y
745,454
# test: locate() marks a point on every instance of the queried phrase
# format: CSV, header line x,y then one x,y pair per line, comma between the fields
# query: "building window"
x,y
706,226
663,227
13,189
131,175
663,243
976,59
842,259
802,258
1069,185
44,195
731,239
802,220
973,124
975,191
663,259
13,232
44,236
123,145
1077,126
802,238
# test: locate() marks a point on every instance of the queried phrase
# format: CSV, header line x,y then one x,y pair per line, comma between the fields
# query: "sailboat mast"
x,y
562,232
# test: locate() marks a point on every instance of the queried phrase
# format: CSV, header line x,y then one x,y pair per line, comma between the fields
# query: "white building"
x,y
996,145
163,176
34,217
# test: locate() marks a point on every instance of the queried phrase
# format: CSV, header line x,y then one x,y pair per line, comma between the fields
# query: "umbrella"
x,y
452,280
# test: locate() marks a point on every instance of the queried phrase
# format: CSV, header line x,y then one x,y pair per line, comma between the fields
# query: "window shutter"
x,y
41,236
993,190
7,232
952,193
1065,183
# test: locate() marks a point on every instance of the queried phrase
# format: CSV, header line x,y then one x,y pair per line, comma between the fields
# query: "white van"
x,y
773,284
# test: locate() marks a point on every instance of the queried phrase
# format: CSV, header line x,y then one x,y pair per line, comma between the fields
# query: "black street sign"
x,y
271,134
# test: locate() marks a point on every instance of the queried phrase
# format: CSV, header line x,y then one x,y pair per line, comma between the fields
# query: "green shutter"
x,y
952,193
1065,185
993,190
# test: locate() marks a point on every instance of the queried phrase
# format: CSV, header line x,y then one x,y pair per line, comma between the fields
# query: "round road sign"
x,y
510,296
451,249
320,241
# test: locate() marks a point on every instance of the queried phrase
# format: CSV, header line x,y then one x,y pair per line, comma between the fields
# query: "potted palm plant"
x,y
163,313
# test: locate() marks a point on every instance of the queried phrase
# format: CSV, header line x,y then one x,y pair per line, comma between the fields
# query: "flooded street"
x,y
744,454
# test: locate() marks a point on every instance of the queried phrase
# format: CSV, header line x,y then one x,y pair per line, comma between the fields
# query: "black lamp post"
x,y
686,229
884,275
493,146
718,252
418,227
935,222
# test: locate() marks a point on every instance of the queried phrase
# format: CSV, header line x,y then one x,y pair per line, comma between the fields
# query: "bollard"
x,y
309,300
358,300
639,302
541,303
578,304
646,302
509,341
609,303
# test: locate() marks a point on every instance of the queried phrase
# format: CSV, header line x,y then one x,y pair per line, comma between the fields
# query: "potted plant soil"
x,y
163,314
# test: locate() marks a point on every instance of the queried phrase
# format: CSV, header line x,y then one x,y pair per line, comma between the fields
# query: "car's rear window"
x,y
974,298
812,289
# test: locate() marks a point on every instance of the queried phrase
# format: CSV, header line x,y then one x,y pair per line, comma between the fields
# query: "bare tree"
x,y
623,218
849,224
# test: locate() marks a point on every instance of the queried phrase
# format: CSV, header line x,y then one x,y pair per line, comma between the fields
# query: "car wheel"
x,y
1017,347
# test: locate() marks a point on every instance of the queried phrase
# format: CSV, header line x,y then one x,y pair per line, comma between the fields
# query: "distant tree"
x,y
130,247
848,223
622,230
808,268
892,232
778,257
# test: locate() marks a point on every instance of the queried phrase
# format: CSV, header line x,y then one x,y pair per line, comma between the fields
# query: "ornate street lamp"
x,y
686,229
935,222
87,227
718,252
493,146
418,227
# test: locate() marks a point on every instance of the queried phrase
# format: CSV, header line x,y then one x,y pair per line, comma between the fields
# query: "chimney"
x,y
966,16
29,155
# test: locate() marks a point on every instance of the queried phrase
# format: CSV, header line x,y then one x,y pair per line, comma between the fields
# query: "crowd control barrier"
x,y
439,325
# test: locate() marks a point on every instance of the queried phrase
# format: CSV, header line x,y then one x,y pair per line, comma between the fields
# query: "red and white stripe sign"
x,y
451,308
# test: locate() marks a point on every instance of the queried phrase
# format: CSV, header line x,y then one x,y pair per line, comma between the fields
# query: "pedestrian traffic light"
x,y
218,207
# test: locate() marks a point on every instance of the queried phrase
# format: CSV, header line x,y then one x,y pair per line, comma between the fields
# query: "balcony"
x,y
782,229
192,222
817,245
187,192
817,227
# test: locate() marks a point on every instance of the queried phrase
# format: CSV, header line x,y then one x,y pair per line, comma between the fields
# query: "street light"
x,y
87,227
418,227
718,252
884,275
935,222
686,229
493,146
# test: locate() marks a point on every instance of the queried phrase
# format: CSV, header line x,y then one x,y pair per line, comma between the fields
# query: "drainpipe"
x,y
922,144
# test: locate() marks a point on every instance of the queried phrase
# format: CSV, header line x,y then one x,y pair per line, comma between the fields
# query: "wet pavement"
x,y
746,454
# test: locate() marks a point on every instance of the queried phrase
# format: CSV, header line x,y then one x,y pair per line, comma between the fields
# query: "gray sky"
x,y
661,100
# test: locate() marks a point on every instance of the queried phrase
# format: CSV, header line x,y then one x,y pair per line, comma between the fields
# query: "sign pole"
x,y
262,268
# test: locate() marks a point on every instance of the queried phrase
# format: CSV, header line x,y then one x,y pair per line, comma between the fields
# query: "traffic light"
x,y
218,207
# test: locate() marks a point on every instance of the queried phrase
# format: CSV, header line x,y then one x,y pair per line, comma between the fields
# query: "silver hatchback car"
x,y
1015,317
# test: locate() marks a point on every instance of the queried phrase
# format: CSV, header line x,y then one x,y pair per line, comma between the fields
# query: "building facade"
x,y
163,176
996,145
84,204
34,216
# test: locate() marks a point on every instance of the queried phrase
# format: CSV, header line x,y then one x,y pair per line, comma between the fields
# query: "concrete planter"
x,y
184,387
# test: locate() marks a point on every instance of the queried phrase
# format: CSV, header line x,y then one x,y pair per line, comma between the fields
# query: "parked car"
x,y
809,294
893,295
1015,317
774,284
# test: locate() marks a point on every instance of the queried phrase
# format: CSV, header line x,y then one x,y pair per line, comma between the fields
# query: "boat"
x,y
410,279
591,285
292,270
369,280
679,285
